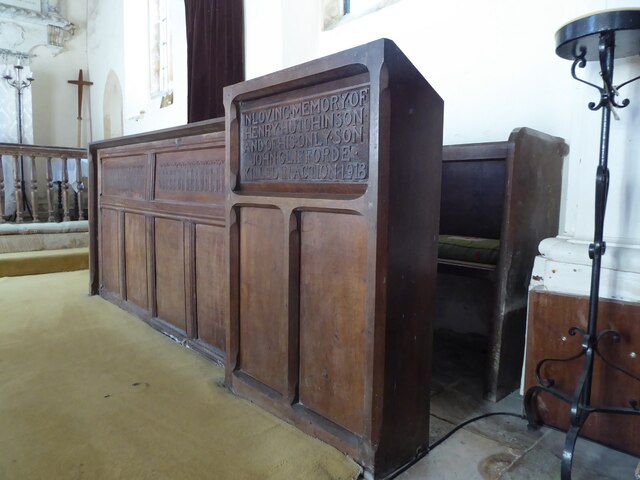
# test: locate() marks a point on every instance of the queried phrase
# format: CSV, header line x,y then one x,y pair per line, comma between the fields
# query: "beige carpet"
x,y
88,391
44,261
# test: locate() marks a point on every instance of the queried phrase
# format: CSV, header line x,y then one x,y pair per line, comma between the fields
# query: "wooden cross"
x,y
80,82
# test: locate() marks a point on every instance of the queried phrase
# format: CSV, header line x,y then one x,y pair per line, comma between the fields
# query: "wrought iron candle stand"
x,y
19,84
603,37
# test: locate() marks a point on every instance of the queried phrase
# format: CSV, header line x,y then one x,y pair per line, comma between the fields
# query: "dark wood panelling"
x,y
189,258
110,261
159,189
551,315
210,286
333,276
343,154
170,272
263,314
473,197
136,259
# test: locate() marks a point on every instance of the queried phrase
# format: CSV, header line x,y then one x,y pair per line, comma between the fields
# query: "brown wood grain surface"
x,y
170,272
136,259
210,288
551,315
263,315
109,249
333,281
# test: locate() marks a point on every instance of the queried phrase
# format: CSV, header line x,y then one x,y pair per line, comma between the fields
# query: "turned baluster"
x,y
1,192
80,187
65,191
34,190
50,204
17,185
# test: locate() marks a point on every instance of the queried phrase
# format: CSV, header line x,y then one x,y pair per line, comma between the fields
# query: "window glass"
x,y
160,64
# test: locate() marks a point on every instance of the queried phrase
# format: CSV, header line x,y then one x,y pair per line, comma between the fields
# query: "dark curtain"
x,y
215,53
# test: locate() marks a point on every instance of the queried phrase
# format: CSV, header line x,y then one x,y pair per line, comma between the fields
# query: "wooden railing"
x,y
27,161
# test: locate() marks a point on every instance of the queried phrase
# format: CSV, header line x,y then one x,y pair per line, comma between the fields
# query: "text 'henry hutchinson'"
x,y
324,138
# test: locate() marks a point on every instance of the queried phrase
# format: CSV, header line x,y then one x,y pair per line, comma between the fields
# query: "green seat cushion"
x,y
468,249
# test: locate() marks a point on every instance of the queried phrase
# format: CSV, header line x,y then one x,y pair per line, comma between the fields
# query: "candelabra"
x,y
600,37
19,84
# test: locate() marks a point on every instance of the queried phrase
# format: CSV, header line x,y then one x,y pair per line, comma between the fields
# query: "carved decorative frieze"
x,y
197,176
125,177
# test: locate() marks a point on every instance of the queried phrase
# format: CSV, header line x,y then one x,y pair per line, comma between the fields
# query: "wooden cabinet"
x,y
332,203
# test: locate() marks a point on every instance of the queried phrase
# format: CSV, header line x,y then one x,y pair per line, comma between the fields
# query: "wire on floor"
x,y
454,430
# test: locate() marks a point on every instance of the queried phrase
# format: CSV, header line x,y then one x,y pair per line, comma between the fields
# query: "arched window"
x,y
160,64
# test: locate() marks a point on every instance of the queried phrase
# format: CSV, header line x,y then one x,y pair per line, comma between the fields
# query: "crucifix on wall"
x,y
81,83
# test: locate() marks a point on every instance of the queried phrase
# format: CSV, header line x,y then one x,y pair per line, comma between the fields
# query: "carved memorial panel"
x,y
317,134
332,196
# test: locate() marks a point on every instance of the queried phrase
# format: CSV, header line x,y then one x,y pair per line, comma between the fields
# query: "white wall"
x,y
118,41
105,44
495,66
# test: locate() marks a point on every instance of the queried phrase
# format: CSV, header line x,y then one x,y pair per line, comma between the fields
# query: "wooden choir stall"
x,y
296,242
157,230
305,261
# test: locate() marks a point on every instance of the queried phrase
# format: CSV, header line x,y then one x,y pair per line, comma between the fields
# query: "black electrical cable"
x,y
421,455
471,420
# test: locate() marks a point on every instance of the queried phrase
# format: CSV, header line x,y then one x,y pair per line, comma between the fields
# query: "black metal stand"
x,y
20,85
591,38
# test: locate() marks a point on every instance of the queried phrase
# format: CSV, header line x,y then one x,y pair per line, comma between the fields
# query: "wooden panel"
x,y
210,284
190,175
333,273
550,317
136,259
125,176
109,250
170,274
263,314
472,198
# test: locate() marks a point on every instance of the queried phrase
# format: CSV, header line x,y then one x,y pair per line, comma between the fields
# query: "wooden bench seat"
x,y
499,200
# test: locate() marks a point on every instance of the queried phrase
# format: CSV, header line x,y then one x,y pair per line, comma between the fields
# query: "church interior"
x,y
320,239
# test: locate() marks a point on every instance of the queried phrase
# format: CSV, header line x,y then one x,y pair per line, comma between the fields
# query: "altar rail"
x,y
26,161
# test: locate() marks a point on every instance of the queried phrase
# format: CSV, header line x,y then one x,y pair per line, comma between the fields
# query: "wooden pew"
x,y
499,200
157,230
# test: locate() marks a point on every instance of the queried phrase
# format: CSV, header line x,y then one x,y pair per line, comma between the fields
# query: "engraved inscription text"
x,y
321,138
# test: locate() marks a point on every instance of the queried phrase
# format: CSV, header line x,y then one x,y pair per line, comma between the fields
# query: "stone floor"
x,y
499,447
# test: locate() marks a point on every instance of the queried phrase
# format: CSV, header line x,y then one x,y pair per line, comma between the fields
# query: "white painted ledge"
x,y
38,228
564,266
621,257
